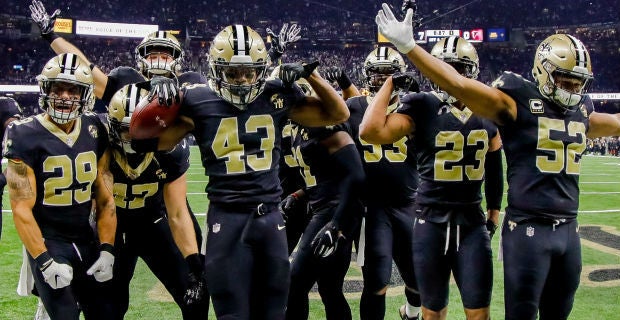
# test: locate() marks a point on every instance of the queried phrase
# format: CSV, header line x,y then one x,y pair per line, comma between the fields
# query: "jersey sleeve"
x,y
15,143
118,78
177,161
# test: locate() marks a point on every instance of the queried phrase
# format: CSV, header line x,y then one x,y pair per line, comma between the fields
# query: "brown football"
x,y
151,118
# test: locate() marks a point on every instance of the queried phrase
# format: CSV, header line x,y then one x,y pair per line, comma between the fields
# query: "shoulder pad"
x,y
509,81
127,75
191,77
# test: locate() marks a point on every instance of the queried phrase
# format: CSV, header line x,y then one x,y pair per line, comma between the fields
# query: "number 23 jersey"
x,y
543,149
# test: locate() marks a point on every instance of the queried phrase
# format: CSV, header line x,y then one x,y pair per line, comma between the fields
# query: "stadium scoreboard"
x,y
431,36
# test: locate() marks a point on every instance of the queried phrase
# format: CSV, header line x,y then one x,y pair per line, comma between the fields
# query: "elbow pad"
x,y
494,179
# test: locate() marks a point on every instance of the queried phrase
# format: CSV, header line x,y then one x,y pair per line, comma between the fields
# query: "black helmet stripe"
x,y
580,52
67,65
450,44
132,100
241,40
382,53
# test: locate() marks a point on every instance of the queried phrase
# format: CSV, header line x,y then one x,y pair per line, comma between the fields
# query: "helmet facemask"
x,y
239,83
567,98
379,65
159,54
66,88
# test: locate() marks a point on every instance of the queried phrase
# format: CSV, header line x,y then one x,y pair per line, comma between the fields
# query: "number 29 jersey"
x,y
543,149
65,167
240,149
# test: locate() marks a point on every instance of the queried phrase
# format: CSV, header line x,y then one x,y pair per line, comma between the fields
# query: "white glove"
x,y
400,33
57,275
103,267
41,18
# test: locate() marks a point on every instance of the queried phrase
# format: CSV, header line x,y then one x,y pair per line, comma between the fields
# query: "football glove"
x,y
166,89
43,20
338,75
491,227
196,290
291,72
405,81
325,243
287,35
400,33
102,269
57,275
288,204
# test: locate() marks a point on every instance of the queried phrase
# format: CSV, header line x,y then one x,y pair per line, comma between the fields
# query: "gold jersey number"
x,y
445,160
557,156
56,189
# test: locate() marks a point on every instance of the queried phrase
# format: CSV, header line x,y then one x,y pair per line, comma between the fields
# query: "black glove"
x,y
491,227
287,35
338,75
43,20
325,243
288,204
405,81
291,72
196,290
410,4
166,89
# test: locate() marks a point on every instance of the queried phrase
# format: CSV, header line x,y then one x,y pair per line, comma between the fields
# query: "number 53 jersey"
x,y
65,167
543,149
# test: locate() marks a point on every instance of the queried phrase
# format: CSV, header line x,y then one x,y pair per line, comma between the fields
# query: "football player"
x,y
544,126
237,120
389,196
52,183
159,54
150,193
9,112
452,145
333,176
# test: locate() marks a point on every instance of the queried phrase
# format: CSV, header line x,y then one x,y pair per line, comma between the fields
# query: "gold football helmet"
x,y
121,107
381,63
66,88
461,55
238,65
563,70
166,51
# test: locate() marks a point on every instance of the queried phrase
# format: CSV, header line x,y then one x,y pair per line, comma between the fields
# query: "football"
x,y
151,118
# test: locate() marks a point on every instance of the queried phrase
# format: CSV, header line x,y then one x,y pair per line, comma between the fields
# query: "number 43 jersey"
x,y
65,167
451,145
240,149
543,149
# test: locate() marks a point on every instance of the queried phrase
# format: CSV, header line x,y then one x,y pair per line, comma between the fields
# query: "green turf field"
x,y
598,295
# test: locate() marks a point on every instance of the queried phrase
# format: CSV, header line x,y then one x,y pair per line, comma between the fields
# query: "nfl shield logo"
x,y
529,231
216,227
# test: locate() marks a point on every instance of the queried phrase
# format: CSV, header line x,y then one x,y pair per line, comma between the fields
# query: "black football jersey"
x,y
139,181
8,110
290,179
321,176
451,145
240,149
543,149
391,169
65,167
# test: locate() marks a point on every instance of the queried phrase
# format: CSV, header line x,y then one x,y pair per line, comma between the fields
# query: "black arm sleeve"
x,y
348,160
494,180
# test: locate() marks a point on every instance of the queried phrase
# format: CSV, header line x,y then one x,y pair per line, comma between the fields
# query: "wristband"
x,y
343,81
194,262
50,37
43,260
107,247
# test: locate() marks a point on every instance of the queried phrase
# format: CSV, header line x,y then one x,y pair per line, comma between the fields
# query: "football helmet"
x,y
121,107
238,65
167,54
563,57
66,75
461,55
381,63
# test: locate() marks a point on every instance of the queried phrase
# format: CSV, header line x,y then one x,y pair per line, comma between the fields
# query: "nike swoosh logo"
x,y
281,227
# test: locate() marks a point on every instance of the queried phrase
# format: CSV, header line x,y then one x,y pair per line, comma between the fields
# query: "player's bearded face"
x,y
240,75
64,97
159,61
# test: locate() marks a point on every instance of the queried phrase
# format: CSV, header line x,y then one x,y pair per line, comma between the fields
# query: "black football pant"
x,y
152,241
328,273
542,268
246,261
94,298
295,224
388,235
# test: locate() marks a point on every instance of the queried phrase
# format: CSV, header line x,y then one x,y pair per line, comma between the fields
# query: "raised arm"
x,y
483,100
377,126
603,125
